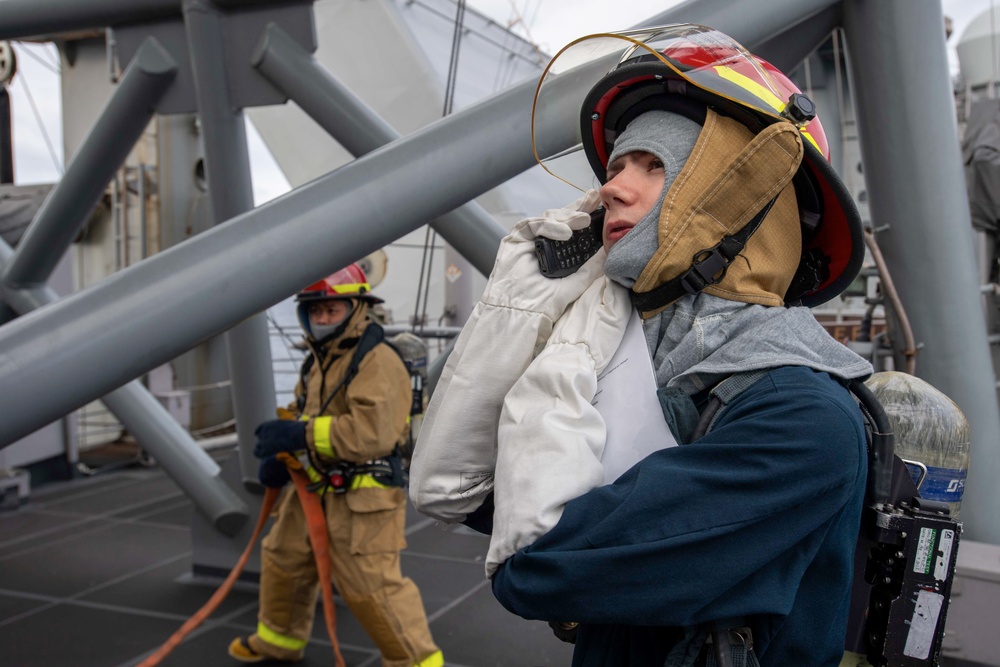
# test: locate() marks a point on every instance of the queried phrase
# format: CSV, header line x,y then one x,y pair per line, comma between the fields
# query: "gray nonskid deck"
x,y
97,572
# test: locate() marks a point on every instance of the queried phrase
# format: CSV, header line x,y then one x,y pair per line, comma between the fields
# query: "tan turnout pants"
x,y
366,534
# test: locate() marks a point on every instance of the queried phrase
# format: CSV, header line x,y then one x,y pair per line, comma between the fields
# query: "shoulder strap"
x,y
370,337
723,394
882,443
307,365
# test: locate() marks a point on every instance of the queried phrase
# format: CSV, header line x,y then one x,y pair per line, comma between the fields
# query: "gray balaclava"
x,y
671,138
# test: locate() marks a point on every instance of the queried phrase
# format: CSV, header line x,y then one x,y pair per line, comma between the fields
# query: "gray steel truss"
x,y
469,228
23,276
255,258
227,168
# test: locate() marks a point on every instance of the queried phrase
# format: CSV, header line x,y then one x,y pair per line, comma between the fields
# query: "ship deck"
x,y
97,572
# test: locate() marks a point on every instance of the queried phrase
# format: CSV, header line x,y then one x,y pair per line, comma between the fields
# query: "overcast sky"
x,y
551,25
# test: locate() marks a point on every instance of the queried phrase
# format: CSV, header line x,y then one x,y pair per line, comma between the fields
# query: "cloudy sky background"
x,y
36,104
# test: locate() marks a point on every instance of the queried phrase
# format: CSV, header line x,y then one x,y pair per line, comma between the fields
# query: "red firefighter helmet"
x,y
686,68
349,282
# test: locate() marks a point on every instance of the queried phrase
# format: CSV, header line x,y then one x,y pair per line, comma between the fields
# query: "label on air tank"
x,y
944,484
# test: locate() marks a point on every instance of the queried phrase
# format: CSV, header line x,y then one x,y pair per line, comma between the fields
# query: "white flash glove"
x,y
551,437
516,281
454,459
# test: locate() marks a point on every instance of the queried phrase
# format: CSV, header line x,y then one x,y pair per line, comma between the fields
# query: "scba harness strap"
x,y
369,339
344,476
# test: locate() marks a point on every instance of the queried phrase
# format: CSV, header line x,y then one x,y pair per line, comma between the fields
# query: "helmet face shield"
x,y
685,59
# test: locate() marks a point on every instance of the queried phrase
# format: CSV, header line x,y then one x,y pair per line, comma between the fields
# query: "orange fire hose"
x,y
316,523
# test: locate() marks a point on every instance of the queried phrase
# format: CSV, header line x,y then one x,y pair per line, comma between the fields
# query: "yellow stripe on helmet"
x,y
761,92
351,288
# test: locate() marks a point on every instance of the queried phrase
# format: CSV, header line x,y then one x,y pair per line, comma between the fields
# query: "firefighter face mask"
x,y
329,325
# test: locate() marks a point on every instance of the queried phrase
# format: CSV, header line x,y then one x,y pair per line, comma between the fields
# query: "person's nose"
x,y
619,189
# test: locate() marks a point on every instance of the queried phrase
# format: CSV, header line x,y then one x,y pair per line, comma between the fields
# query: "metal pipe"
x,y
6,142
124,200
359,129
790,47
143,232
910,350
108,143
427,332
31,18
194,471
61,357
750,22
916,187
227,168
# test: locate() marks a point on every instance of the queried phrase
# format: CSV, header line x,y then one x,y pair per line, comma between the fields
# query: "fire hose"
x,y
316,523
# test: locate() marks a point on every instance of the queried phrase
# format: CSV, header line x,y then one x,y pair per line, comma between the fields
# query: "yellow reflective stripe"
x,y
433,660
313,475
751,86
282,641
321,436
352,288
762,92
366,481
811,140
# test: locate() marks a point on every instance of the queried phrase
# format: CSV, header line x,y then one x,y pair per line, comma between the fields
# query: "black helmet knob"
x,y
800,109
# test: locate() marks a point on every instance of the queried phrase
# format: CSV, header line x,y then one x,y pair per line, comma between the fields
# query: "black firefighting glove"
x,y
279,435
273,473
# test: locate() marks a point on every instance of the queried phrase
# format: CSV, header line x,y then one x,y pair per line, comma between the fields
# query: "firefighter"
x,y
724,222
345,426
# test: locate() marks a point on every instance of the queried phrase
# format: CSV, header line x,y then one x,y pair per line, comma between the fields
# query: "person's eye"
x,y
655,164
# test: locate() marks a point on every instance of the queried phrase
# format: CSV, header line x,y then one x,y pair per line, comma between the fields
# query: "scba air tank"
x,y
931,432
413,350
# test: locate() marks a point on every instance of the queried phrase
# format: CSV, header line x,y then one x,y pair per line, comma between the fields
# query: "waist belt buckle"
x,y
340,478
742,636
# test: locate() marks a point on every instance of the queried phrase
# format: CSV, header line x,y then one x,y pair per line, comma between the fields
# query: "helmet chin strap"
x,y
733,187
708,268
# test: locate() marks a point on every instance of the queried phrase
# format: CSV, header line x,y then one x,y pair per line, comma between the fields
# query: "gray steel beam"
x,y
58,358
359,129
29,18
227,167
789,48
750,22
65,210
916,188
194,471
